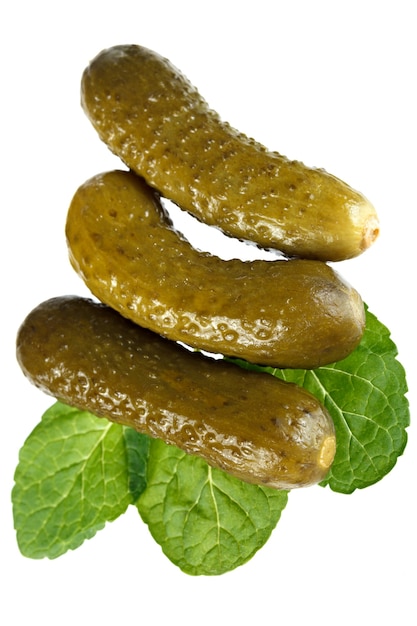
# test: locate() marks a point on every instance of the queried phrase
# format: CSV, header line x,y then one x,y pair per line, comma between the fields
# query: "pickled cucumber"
x,y
150,115
286,313
250,424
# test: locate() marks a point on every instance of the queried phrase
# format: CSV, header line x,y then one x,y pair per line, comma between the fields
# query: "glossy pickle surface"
x,y
291,313
250,424
153,118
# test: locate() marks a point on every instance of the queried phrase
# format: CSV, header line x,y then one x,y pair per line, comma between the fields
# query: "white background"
x,y
328,83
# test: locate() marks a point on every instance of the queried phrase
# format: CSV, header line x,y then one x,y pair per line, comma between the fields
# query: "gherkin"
x,y
290,313
150,115
254,426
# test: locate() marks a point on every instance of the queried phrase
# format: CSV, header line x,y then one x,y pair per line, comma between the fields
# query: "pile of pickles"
x,y
143,350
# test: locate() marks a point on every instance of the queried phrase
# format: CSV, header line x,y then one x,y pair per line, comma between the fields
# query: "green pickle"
x,y
149,114
287,313
254,426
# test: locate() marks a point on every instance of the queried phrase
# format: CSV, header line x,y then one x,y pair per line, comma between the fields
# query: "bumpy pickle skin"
x,y
250,424
150,115
286,313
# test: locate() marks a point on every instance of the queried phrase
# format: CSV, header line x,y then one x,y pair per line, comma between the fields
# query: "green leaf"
x,y
74,474
206,521
366,397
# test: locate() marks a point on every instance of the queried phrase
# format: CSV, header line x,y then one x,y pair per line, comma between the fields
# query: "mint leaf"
x,y
206,521
73,476
366,397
